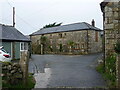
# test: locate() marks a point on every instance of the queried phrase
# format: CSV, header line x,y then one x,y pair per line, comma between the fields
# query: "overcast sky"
x,y
31,15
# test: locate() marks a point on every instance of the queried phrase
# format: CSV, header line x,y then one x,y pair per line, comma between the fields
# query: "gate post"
x,y
24,57
118,70
41,49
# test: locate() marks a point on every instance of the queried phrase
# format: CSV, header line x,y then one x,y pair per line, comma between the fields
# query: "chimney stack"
x,y
93,23
13,16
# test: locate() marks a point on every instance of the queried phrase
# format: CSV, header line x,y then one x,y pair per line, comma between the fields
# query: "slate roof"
x,y
66,28
12,34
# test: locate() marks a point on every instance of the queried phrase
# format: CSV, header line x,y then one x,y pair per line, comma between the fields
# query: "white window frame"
x,y
24,47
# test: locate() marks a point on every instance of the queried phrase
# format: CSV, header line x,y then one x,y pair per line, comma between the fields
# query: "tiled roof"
x,y
11,33
66,28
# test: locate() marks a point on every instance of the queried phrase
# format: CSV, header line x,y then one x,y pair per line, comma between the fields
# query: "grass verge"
x,y
109,78
29,86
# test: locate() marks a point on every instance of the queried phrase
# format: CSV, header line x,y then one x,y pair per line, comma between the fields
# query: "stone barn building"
x,y
77,38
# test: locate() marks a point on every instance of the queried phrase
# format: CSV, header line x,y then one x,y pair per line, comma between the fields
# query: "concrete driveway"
x,y
66,71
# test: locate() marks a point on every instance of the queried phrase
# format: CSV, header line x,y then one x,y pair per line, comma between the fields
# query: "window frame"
x,y
23,46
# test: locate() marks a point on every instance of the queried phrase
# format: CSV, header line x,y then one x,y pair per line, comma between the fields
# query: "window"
x,y
23,46
50,35
60,35
77,46
96,36
82,46
65,34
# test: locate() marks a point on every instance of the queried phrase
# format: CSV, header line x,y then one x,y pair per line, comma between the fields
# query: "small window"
x,y
23,46
77,46
50,35
65,34
82,46
60,35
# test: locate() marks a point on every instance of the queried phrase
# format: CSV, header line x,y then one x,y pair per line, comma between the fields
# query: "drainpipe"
x,y
104,41
87,42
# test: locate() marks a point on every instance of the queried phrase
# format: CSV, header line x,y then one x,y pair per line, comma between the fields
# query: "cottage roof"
x,y
12,34
66,28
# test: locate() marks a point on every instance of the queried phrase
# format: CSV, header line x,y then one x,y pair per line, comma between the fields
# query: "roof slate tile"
x,y
11,33
66,28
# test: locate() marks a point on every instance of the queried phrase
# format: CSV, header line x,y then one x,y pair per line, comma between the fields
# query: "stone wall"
x,y
11,74
111,17
94,45
111,26
83,42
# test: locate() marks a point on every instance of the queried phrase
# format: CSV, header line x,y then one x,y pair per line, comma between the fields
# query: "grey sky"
x,y
31,15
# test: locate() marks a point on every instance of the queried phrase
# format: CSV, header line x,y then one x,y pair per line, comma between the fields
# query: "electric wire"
x,y
20,17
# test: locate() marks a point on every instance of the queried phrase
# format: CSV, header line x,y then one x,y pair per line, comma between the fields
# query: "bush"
x,y
109,71
117,47
29,86
111,64
100,68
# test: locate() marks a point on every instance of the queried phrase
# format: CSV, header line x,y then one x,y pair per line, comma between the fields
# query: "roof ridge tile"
x,y
66,28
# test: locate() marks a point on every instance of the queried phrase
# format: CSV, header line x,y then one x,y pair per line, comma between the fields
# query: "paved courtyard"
x,y
66,71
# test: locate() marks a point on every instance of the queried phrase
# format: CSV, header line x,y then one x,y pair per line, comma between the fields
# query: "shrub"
x,y
117,47
111,64
100,68
109,71
20,86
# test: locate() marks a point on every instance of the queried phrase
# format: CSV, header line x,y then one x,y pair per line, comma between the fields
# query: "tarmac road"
x,y
76,71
